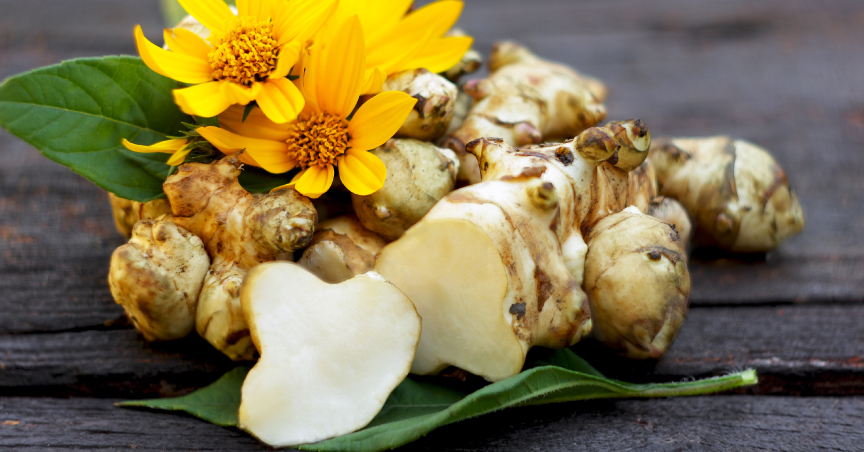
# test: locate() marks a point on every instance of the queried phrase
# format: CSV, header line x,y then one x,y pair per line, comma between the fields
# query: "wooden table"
x,y
786,74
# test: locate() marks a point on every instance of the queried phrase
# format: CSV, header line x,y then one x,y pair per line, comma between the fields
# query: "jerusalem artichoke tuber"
x,y
157,277
340,249
436,98
128,212
525,100
637,282
418,175
737,195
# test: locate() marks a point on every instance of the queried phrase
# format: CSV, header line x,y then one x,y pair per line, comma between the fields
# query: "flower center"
x,y
318,140
245,54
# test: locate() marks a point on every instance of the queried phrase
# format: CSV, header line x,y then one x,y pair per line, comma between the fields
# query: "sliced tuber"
x,y
331,354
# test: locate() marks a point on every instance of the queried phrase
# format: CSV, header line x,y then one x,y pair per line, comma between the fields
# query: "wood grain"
x,y
808,350
713,423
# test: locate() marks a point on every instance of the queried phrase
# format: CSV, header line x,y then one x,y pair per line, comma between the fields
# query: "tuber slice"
x,y
454,274
331,354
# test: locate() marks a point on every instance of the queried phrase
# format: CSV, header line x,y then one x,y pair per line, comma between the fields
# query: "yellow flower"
x,y
247,58
397,40
177,148
323,137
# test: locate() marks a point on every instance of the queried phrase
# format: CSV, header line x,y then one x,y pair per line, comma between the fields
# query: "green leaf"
x,y
217,403
77,112
419,405
256,180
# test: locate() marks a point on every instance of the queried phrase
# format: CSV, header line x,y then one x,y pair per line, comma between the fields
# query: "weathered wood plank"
x,y
808,350
704,423
108,363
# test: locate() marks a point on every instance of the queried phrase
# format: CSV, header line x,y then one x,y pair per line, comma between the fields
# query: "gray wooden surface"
x,y
788,75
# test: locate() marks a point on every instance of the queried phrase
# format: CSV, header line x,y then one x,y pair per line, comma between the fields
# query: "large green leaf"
x,y
419,405
77,112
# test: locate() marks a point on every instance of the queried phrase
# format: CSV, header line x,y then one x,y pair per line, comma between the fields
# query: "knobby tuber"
x,y
737,195
331,354
239,231
157,277
525,100
495,267
637,282
128,212
436,98
340,249
418,175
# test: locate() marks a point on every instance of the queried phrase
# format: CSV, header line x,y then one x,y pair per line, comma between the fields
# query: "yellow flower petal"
x,y
184,41
440,54
259,9
362,173
374,81
247,159
340,68
301,19
179,157
178,66
288,56
392,55
280,100
378,17
213,14
237,94
256,125
315,181
267,154
435,18
168,146
205,100
379,119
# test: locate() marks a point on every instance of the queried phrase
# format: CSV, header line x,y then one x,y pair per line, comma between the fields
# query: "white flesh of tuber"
x,y
330,354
